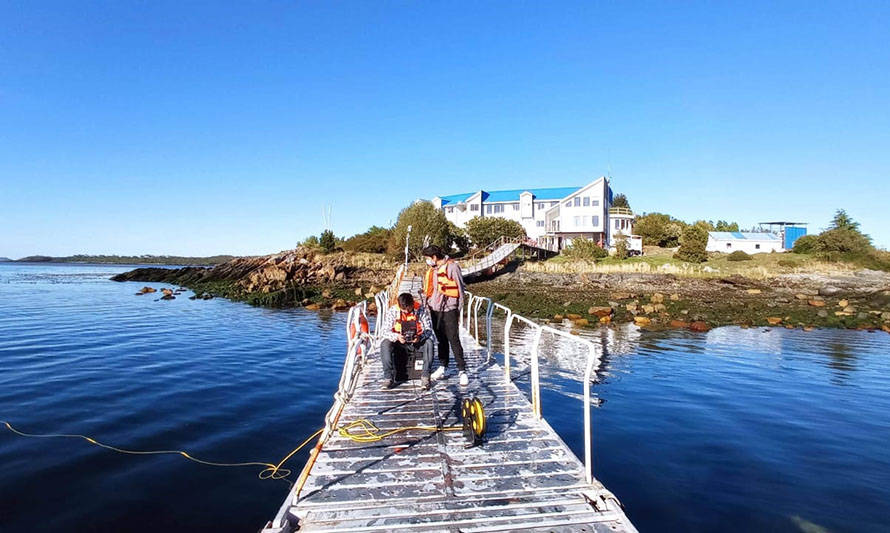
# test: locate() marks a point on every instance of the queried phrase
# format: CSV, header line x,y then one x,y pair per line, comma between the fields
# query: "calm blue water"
x,y
734,430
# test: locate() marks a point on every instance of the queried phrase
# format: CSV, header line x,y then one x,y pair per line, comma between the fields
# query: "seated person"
x,y
407,328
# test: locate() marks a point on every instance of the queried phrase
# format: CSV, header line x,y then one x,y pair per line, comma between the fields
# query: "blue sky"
x,y
199,128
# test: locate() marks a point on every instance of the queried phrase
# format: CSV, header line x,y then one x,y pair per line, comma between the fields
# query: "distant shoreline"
x,y
168,260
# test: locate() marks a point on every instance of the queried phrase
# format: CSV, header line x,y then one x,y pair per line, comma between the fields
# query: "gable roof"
x,y
738,235
512,195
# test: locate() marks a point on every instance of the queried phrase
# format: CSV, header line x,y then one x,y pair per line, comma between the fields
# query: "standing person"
x,y
444,290
408,330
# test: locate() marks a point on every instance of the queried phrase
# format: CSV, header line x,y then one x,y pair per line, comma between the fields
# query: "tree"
x,y
693,243
706,225
327,240
310,242
485,230
723,225
426,222
805,244
621,251
372,241
460,241
658,229
620,200
842,220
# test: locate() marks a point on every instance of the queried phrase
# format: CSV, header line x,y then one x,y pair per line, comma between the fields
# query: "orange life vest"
x,y
447,286
408,322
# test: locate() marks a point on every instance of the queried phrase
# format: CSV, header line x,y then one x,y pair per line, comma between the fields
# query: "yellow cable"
x,y
371,433
269,472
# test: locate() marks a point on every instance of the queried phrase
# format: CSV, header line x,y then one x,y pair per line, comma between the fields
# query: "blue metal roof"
x,y
512,195
739,235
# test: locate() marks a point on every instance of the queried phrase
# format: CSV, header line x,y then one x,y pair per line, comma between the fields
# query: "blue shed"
x,y
792,233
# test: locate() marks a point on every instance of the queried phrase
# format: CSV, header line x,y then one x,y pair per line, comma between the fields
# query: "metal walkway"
x,y
523,477
501,250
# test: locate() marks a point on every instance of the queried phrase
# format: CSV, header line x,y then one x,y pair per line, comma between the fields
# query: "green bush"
x,y
834,243
328,241
620,200
659,229
805,244
738,255
585,249
372,241
621,251
483,231
786,263
428,226
693,242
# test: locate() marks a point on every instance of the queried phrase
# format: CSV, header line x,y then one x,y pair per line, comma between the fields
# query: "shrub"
x,y
585,249
693,242
485,230
620,200
786,263
372,241
833,243
621,251
738,255
427,224
805,244
310,242
659,229
327,240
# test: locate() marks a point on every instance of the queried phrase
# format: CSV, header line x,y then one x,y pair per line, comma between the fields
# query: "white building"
x,y
551,216
751,243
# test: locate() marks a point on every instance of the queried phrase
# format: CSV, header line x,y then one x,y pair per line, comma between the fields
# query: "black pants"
x,y
445,324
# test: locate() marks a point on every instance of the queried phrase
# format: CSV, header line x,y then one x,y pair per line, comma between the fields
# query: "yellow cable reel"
x,y
473,414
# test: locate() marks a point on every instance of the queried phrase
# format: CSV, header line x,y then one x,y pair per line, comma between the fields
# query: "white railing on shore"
x,y
471,308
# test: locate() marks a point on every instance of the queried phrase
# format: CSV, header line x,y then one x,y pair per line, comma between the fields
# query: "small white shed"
x,y
752,243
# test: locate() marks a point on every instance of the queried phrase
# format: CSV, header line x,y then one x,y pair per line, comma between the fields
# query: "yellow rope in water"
x,y
271,471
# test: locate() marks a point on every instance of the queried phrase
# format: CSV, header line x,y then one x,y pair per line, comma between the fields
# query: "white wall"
x,y
749,246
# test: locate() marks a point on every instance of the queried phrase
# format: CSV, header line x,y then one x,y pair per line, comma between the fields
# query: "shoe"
x,y
439,373
425,382
388,383
464,378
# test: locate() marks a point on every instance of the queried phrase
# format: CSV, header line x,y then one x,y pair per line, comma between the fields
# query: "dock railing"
x,y
469,321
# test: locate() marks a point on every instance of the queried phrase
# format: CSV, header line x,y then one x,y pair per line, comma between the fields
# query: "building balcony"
x,y
621,211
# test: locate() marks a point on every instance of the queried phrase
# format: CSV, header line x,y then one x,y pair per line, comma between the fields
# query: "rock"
x,y
679,324
648,308
168,296
773,320
358,291
312,307
642,321
600,311
862,316
340,305
849,309
206,296
885,328
605,319
573,316
823,313
657,298
146,290
631,307
675,297
829,290
580,322
842,313
843,303
753,291
816,303
621,296
326,293
558,318
885,316
801,296
193,297
684,312
789,326
659,308
709,269
698,325
809,328
370,295
139,293
372,307
167,292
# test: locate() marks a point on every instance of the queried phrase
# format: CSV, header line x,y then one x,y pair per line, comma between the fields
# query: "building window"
x,y
553,204
757,247
586,201
729,245
474,207
569,203
578,221
577,201
596,220
450,209
499,208
541,205
539,223
595,203
488,209
516,206
617,224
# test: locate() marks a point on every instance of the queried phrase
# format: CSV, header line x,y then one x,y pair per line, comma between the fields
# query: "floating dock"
x,y
523,477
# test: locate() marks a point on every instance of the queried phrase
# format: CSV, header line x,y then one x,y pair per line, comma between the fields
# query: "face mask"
x,y
431,262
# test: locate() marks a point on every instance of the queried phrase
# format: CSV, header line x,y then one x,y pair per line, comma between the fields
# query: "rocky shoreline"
x,y
303,277
860,300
